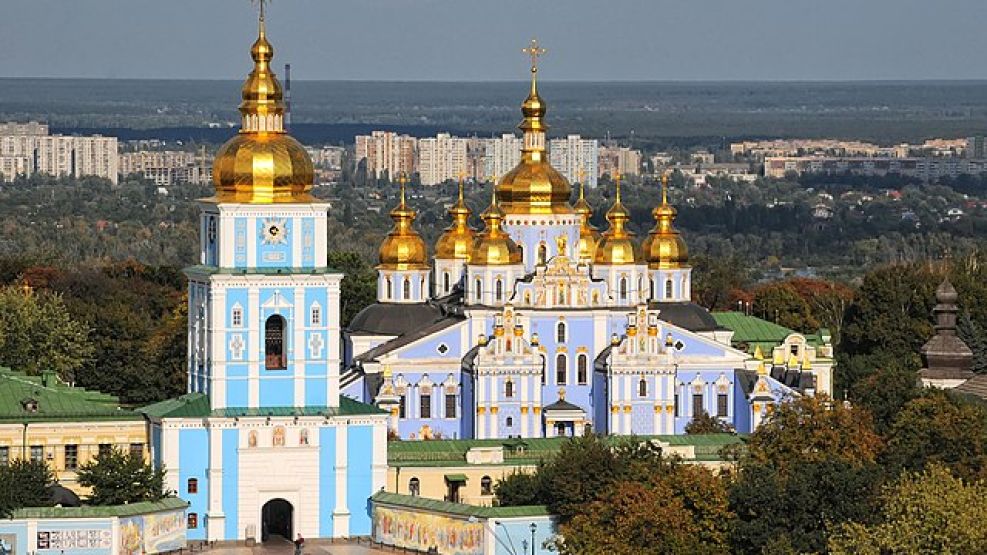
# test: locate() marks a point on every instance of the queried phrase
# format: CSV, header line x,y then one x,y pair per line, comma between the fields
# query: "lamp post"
x,y
533,528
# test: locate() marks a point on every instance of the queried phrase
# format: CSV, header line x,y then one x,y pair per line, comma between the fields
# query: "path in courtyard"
x,y
285,547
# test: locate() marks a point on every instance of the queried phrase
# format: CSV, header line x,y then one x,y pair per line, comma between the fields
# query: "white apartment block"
x,y
501,155
622,159
167,167
386,152
573,155
26,149
442,158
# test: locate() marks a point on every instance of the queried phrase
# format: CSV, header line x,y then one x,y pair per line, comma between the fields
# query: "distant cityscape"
x,y
29,148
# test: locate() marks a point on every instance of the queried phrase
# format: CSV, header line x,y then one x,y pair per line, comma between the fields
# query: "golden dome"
x,y
493,246
589,236
403,248
534,186
456,241
617,246
262,164
664,248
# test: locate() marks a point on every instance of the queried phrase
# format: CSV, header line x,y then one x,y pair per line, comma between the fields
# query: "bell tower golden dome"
x,y
262,163
403,248
616,246
456,241
664,248
534,186
589,236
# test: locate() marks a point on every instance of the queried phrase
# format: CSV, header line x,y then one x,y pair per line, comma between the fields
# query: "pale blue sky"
x,y
480,40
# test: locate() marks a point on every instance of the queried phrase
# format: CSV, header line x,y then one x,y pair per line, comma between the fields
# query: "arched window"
x,y
445,282
499,289
478,294
581,369
561,370
414,487
640,285
642,388
509,422
406,289
389,289
560,332
274,344
192,486
651,283
509,389
542,253
668,289
486,486
623,289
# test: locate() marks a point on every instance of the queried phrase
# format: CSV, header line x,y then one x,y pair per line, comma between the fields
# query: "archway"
x,y
276,518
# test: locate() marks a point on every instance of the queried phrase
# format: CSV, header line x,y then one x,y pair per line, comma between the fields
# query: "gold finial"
x,y
616,178
582,182
403,180
462,177
664,188
534,51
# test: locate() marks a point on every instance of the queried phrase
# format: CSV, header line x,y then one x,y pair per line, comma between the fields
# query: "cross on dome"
x,y
534,51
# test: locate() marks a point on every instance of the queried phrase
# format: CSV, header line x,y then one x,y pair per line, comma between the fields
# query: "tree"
x,y
24,483
359,286
715,279
814,429
781,303
582,469
884,393
936,428
519,488
703,423
975,337
37,333
929,512
117,477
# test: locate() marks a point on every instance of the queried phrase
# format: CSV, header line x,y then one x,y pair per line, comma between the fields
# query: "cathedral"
x,y
539,325
263,444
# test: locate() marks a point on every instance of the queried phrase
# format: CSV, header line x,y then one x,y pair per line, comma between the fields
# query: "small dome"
x,y
589,236
456,241
403,248
664,247
493,246
617,246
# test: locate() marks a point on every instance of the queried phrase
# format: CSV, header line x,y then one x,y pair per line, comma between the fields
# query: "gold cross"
x,y
534,51
261,2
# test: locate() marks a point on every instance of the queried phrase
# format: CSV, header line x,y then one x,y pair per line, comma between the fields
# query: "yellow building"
x,y
42,418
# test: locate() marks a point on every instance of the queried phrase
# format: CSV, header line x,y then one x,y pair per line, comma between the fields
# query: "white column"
x,y
332,343
380,456
481,428
170,456
251,241
216,334
301,346
216,519
526,413
255,351
296,242
628,397
341,513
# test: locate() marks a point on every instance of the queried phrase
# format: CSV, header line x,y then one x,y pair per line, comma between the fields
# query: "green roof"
x,y
529,451
215,270
754,331
456,478
457,509
54,400
145,507
196,405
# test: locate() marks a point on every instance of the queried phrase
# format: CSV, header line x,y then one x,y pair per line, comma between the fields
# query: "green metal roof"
x,y
145,507
457,509
753,331
529,451
196,405
456,478
215,270
55,400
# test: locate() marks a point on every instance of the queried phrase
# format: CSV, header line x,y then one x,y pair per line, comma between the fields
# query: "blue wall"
x,y
193,457
231,482
71,524
508,535
327,480
359,479
19,530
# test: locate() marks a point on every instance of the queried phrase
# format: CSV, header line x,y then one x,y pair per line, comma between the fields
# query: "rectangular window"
x,y
402,407
450,405
193,521
316,316
697,404
237,318
676,404
71,457
426,406
137,449
104,448
37,453
721,404
4,456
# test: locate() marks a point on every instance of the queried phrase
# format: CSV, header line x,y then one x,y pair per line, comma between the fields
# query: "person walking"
x,y
299,543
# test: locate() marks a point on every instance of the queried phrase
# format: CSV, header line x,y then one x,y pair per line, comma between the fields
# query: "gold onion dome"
x,y
403,248
664,248
617,246
456,241
493,246
262,163
589,236
534,186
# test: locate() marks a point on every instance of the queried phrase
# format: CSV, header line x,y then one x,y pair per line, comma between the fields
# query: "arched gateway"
x,y
276,517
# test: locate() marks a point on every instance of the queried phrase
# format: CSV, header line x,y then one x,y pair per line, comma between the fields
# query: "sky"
x,y
480,40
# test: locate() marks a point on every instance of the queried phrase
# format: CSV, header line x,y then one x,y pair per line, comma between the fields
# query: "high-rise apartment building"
x,y
501,155
441,158
573,155
27,148
622,159
386,152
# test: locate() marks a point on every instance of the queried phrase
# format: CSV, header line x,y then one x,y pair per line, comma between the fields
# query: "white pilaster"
x,y
255,348
341,512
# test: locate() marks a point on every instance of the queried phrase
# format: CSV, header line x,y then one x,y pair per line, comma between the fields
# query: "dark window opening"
x,y
721,404
426,405
486,486
560,370
274,344
697,404
450,405
193,486
414,487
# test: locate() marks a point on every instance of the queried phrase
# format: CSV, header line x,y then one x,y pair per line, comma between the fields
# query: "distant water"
x,y
638,111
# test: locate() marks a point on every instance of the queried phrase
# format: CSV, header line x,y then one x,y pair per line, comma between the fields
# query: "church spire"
x,y
403,248
457,239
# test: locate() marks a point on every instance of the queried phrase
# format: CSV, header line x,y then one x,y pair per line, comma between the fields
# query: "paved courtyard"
x,y
311,548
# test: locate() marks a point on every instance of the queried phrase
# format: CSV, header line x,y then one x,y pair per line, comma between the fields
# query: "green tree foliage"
x,y
703,423
781,303
584,467
359,286
975,337
117,477
884,393
935,428
519,488
38,333
928,512
717,280
24,483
